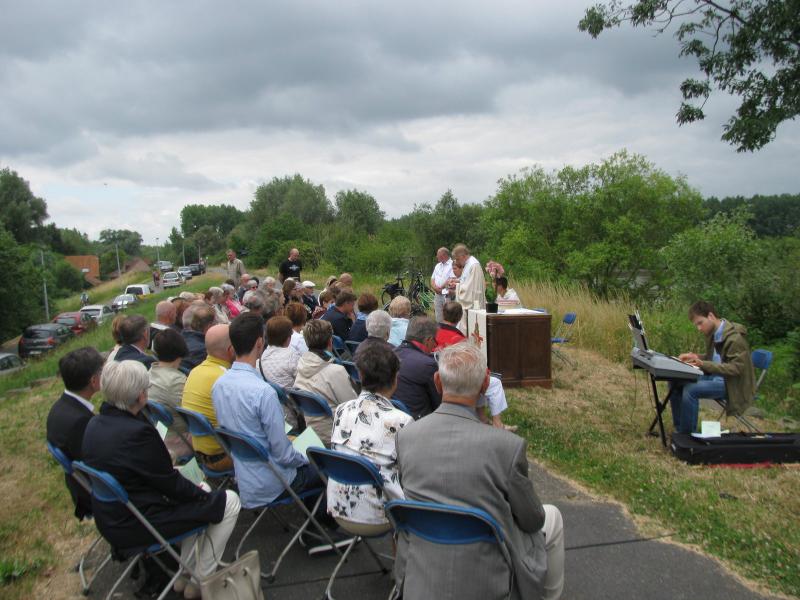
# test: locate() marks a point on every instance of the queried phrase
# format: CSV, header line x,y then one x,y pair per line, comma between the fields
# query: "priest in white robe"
x,y
471,287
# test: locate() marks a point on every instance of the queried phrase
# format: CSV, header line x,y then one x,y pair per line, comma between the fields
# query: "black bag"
x,y
737,448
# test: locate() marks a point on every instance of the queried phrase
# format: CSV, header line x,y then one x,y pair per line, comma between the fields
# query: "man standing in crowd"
x,y
235,267
480,467
80,370
291,267
726,364
471,288
134,332
442,272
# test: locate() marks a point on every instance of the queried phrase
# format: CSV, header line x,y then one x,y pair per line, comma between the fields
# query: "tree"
x,y
769,216
108,261
290,195
358,211
21,213
129,241
747,48
220,217
67,278
19,273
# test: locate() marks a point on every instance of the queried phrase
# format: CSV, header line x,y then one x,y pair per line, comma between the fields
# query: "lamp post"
x,y
158,254
119,269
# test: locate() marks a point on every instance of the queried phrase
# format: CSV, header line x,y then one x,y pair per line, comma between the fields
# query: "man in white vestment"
x,y
471,287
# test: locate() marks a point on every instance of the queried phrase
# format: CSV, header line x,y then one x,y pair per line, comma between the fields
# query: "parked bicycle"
x,y
418,293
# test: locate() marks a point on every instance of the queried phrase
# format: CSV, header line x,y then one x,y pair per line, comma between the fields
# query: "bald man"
x,y
166,312
291,267
197,394
345,281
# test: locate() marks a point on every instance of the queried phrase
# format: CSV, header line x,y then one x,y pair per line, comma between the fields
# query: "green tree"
x,y
290,195
358,211
21,213
129,241
67,278
769,216
108,261
222,218
747,48
19,273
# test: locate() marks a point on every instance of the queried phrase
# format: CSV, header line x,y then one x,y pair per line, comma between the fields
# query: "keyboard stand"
x,y
660,408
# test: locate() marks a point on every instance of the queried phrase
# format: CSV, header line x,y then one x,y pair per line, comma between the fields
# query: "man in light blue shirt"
x,y
247,404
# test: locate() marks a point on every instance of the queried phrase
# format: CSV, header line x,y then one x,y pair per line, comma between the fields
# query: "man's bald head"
x,y
345,280
165,312
218,343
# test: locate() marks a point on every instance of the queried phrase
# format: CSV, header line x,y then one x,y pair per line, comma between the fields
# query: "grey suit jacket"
x,y
452,458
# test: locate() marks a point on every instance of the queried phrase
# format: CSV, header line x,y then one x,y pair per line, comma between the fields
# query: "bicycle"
x,y
419,294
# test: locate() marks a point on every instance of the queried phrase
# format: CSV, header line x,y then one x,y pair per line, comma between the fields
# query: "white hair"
x,y
462,369
379,324
122,382
227,287
216,293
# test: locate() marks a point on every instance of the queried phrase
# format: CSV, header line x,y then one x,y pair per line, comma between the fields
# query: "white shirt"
x,y
298,342
83,401
510,297
441,273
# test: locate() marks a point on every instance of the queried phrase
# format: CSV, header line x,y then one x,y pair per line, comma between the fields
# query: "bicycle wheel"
x,y
386,299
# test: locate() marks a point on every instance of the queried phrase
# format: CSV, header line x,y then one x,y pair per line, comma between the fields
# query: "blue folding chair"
x,y
282,397
340,349
448,525
246,448
352,346
199,426
348,469
157,413
105,488
400,405
66,465
309,403
562,336
762,359
352,371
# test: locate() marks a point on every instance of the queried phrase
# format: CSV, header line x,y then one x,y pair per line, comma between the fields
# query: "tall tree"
x,y
358,211
221,217
21,213
19,272
290,195
129,241
747,48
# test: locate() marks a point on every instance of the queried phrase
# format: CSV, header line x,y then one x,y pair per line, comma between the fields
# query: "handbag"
x,y
240,580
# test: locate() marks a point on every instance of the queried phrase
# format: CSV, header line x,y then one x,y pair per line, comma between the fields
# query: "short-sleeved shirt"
x,y
291,268
441,273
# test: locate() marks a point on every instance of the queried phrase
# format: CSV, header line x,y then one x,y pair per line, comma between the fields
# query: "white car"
x,y
171,279
99,312
185,272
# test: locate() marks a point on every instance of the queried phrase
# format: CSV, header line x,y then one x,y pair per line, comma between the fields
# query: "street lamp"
x,y
158,254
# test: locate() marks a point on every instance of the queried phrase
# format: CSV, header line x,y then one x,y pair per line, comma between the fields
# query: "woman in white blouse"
x,y
368,426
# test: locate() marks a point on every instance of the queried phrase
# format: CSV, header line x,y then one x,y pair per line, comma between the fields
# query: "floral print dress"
x,y
367,426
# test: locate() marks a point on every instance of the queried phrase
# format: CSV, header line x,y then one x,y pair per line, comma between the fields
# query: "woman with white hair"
x,y
121,442
217,299
231,300
400,311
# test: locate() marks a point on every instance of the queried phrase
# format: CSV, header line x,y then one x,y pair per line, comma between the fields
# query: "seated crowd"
x,y
231,354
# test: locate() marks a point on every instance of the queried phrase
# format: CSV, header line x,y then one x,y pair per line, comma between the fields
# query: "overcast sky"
x,y
119,114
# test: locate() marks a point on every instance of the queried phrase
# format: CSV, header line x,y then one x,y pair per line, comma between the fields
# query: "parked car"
x,y
99,312
9,363
185,271
196,270
171,279
164,265
78,322
38,339
123,301
139,289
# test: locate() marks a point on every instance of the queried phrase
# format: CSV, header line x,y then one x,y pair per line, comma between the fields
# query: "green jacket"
x,y
736,366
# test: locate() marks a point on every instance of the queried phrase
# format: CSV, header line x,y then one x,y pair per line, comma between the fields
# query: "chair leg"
x,y
124,574
328,595
248,532
377,558
85,585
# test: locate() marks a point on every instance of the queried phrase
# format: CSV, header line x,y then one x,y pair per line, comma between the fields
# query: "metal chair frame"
x,y
247,449
560,338
66,465
156,413
199,426
310,404
105,488
340,350
347,469
352,346
762,360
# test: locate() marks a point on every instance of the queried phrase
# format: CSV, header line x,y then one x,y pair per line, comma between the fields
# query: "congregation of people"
x,y
411,394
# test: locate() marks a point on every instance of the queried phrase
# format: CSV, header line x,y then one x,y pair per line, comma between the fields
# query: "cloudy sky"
x,y
119,114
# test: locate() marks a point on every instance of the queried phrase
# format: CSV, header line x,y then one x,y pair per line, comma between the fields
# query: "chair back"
x,y
762,359
351,369
105,487
352,346
311,404
61,458
569,318
282,397
400,405
444,523
158,413
347,469
197,423
560,336
243,447
339,347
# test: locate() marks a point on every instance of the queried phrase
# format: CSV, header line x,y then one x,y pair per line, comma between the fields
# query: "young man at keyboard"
x,y
726,364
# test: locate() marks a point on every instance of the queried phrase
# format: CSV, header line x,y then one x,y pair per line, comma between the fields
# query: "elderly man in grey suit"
x,y
451,457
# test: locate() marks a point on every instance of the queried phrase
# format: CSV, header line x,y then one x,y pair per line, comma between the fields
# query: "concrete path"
x,y
605,558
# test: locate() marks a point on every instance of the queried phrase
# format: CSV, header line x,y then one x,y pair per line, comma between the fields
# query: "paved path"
x,y
605,558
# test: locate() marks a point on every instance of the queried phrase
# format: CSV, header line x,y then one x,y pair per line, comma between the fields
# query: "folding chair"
x,y
245,448
199,426
352,346
348,469
762,359
562,336
66,464
309,403
400,405
352,371
158,413
448,525
105,488
340,349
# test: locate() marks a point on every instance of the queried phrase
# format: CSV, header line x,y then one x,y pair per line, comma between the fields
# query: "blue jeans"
x,y
684,399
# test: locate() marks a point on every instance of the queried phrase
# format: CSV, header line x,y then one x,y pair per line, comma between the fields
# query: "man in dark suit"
x,y
480,467
340,317
66,423
415,384
134,332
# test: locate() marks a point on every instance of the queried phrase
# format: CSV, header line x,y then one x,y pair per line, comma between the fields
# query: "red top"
x,y
448,335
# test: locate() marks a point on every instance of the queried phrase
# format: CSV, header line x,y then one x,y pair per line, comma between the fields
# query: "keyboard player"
x,y
727,369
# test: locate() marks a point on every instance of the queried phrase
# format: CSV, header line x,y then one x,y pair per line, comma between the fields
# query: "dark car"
x,y
38,339
196,269
123,301
78,322
9,363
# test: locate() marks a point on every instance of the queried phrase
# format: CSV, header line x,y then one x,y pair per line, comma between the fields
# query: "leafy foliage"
x,y
129,241
290,195
222,218
358,211
768,216
21,213
19,272
747,48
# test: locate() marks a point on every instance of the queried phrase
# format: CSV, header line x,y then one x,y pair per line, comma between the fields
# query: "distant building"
x,y
89,265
